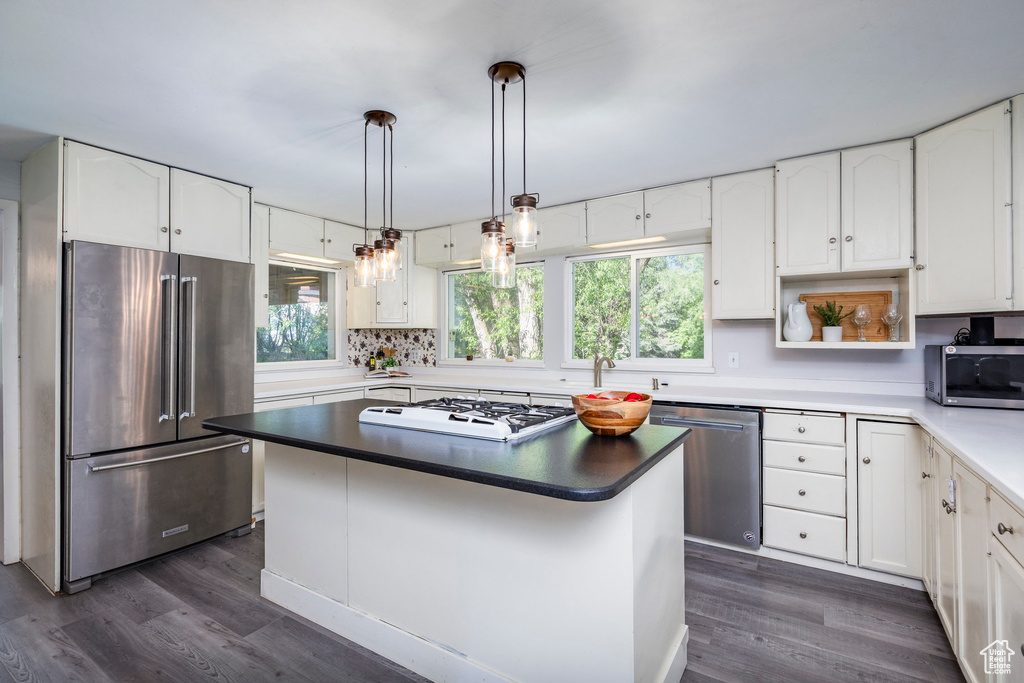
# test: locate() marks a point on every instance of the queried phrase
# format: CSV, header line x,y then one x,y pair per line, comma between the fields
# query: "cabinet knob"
x,y
849,238
266,296
919,266
802,492
321,240
1003,529
801,459
866,461
538,233
801,429
405,303
178,231
648,215
163,229
925,475
378,303
638,216
803,534
716,282
328,241
831,240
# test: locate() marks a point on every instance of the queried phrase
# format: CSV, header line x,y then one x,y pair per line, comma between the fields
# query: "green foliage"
x,y
670,298
601,308
830,317
494,322
294,332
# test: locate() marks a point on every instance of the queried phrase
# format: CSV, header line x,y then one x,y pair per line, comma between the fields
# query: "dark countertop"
x,y
566,462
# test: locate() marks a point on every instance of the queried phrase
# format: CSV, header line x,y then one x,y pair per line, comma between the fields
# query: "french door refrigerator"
x,y
154,343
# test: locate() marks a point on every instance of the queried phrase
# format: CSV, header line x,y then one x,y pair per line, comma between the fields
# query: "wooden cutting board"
x,y
876,330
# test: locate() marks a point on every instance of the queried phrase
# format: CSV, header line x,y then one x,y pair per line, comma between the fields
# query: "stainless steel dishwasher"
x,y
722,470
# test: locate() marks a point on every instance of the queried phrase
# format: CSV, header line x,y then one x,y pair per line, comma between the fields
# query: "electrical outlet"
x,y
734,360
414,355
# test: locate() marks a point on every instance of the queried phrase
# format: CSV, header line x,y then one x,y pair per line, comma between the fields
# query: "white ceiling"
x,y
622,94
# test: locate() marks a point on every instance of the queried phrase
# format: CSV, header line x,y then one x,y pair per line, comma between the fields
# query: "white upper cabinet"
x,y
464,241
296,233
209,217
807,215
115,199
743,245
962,200
677,208
339,239
261,261
410,301
393,297
560,227
615,219
878,206
432,245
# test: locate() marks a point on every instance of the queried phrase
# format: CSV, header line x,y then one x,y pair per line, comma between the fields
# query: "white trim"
x,y
490,362
10,515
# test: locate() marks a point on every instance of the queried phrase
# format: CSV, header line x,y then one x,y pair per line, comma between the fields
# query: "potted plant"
x,y
831,321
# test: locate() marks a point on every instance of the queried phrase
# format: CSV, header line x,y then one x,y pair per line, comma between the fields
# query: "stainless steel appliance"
x,y
721,470
470,417
154,343
979,376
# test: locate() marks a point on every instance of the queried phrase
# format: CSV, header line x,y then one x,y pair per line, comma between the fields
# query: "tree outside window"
x,y
301,324
489,322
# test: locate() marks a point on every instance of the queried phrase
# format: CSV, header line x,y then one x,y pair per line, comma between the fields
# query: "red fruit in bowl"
x,y
591,396
634,397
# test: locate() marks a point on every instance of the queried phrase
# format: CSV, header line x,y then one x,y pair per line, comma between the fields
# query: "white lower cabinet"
x,y
971,571
403,394
564,401
420,394
337,396
1006,612
928,518
805,532
945,540
259,447
889,488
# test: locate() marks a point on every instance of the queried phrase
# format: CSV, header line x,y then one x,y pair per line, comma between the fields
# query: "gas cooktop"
x,y
470,417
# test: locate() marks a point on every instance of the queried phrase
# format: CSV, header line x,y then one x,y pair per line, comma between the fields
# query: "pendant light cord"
x,y
366,210
524,131
503,151
493,216
384,177
391,129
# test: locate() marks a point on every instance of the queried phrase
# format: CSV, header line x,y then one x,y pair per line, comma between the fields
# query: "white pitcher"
x,y
798,325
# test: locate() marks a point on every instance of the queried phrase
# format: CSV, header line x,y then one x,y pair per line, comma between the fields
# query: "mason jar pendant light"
x,y
524,206
505,276
492,232
366,262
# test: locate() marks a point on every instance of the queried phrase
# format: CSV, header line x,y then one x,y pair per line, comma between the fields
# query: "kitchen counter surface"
x,y
989,441
566,462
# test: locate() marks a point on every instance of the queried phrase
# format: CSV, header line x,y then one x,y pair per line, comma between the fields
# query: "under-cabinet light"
x,y
302,257
627,243
466,263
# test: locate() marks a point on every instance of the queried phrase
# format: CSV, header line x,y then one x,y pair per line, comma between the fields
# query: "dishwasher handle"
x,y
702,424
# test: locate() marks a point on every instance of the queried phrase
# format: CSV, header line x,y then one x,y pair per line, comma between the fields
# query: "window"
x,y
488,322
646,306
303,316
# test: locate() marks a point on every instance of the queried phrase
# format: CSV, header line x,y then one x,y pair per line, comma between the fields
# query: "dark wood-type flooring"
x,y
197,616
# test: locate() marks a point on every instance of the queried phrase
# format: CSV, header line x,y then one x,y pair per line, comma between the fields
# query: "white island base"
x,y
459,581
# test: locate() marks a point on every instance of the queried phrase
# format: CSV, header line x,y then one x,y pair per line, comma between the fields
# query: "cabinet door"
x,y
889,497
338,396
360,304
1006,615
561,227
209,217
945,550
339,240
743,245
962,200
929,515
972,536
615,219
807,215
465,241
111,198
296,233
1017,165
261,261
677,208
878,206
392,306
432,245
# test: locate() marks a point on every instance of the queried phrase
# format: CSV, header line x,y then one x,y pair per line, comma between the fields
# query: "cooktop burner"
x,y
470,417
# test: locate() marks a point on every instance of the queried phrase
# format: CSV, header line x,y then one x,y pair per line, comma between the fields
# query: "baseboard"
x,y
676,663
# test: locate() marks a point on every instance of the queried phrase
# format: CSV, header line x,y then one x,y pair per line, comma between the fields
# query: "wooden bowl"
x,y
611,416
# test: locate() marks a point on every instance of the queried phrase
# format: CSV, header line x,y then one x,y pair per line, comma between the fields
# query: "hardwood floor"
x,y
197,616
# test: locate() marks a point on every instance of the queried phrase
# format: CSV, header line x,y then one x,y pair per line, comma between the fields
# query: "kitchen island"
x,y
555,558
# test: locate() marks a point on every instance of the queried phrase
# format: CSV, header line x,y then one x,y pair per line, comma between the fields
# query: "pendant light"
x,y
366,260
492,232
384,248
505,276
524,206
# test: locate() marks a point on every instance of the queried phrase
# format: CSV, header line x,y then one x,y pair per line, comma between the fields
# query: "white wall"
x,y
10,180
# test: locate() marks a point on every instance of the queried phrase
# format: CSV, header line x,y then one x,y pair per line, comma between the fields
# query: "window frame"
x,y
444,322
634,362
341,359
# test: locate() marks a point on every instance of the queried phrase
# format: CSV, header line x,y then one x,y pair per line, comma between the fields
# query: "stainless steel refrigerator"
x,y
154,343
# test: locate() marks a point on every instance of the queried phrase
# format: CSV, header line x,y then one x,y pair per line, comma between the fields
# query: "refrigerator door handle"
x,y
191,411
133,463
170,333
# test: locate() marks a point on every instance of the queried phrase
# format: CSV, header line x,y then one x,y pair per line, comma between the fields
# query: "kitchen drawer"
x,y
551,400
428,394
337,396
807,428
805,532
388,393
823,493
807,457
1001,512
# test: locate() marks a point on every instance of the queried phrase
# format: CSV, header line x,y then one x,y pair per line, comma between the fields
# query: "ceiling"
x,y
622,94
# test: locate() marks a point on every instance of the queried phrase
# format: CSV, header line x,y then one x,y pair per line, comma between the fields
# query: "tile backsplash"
x,y
363,343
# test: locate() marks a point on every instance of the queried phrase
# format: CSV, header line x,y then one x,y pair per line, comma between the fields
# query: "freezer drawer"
x,y
125,507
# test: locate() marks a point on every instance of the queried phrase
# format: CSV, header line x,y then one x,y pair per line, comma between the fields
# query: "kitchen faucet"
x,y
599,360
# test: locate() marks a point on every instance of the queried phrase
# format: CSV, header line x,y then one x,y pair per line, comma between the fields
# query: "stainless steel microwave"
x,y
979,376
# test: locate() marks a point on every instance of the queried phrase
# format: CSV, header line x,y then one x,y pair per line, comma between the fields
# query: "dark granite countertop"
x,y
566,462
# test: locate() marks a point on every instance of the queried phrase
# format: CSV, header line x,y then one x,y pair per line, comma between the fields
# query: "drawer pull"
x,y
802,492
801,429
867,461
801,459
803,534
925,475
949,508
1003,529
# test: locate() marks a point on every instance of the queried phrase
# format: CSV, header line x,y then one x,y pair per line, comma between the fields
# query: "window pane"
x,y
493,323
302,317
601,308
670,299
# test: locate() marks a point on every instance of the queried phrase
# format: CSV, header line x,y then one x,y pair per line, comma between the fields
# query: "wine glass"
x,y
861,317
891,316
